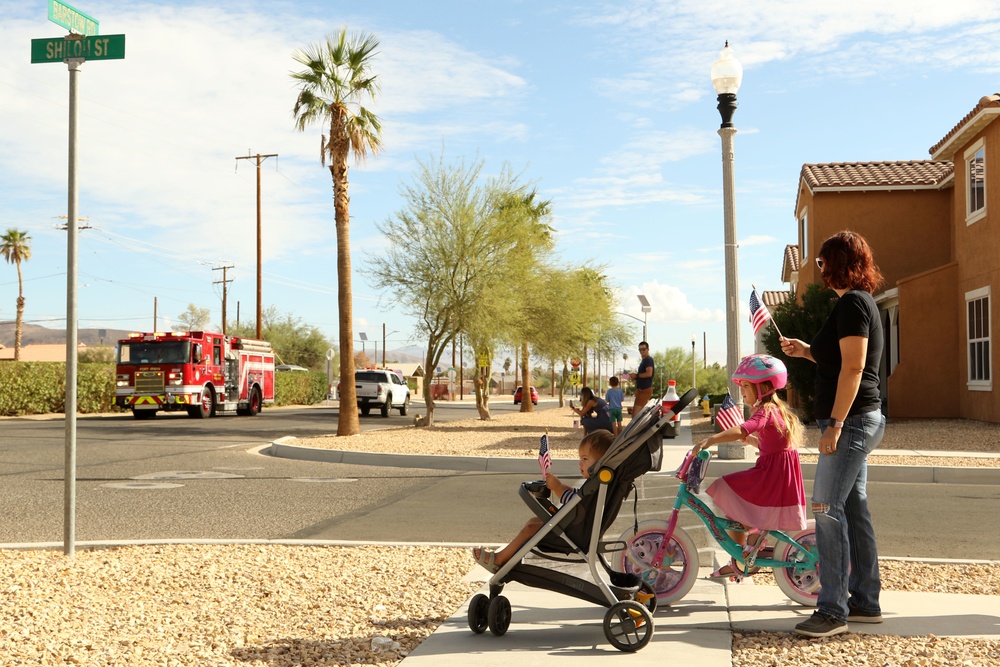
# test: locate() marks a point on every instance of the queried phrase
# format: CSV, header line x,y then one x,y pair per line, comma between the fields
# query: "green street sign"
x,y
61,49
72,18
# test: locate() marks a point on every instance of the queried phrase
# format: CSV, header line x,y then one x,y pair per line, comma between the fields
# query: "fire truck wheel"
x,y
207,406
253,405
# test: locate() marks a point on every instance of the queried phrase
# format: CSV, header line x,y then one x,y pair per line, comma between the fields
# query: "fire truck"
x,y
200,372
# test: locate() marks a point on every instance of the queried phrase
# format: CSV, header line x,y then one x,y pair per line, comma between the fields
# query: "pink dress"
x,y
769,496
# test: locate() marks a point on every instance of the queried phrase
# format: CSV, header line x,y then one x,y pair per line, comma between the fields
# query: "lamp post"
x,y
644,303
384,336
727,75
694,369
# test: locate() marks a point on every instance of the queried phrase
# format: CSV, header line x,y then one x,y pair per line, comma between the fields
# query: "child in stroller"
x,y
572,534
592,448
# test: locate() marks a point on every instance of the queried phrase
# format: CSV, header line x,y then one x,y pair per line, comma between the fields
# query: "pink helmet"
x,y
760,367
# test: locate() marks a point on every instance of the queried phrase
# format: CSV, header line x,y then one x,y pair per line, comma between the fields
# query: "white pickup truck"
x,y
383,389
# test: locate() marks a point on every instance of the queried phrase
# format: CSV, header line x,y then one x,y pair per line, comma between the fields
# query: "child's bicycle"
x,y
666,558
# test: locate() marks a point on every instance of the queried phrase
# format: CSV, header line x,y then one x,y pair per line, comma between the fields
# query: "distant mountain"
x,y
32,334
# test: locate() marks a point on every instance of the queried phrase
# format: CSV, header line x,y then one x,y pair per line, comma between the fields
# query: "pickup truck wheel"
x,y
366,410
387,405
405,406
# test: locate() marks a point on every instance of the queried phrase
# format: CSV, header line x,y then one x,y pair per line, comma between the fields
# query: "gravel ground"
x,y
281,606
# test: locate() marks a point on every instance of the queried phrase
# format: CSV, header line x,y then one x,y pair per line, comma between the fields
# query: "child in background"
x,y
769,496
615,397
592,448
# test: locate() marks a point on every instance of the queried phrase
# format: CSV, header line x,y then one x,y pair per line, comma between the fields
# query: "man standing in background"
x,y
643,379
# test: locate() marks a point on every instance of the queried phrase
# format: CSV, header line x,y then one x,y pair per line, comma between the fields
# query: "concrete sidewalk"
x,y
549,629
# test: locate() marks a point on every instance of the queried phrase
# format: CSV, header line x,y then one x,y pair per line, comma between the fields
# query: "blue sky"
x,y
607,106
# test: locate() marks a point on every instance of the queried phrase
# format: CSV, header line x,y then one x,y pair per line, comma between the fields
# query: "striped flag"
x,y
544,458
759,314
729,414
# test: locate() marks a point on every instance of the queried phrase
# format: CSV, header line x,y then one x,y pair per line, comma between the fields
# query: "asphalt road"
x,y
174,477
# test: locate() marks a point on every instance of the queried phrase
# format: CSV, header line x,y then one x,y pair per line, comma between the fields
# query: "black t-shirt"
x,y
645,383
854,315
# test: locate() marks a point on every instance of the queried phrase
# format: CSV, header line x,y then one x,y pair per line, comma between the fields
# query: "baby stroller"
x,y
573,533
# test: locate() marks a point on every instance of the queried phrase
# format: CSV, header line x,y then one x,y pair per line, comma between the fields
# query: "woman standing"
x,y
847,352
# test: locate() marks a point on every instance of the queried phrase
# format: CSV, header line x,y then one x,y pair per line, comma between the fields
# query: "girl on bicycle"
x,y
769,496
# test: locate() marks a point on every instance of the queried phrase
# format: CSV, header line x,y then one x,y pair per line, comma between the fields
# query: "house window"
x,y
977,306
804,236
975,163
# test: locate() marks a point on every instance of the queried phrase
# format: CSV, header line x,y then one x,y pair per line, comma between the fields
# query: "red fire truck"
x,y
196,371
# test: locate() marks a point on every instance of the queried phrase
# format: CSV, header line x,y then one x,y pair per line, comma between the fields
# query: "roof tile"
x,y
984,102
876,174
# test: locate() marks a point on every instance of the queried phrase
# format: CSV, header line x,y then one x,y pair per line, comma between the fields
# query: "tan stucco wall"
x,y
925,383
909,230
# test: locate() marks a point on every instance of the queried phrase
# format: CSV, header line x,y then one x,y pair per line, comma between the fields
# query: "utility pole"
x,y
154,312
224,283
260,159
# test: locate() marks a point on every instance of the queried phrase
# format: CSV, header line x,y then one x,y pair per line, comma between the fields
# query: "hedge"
x,y
34,388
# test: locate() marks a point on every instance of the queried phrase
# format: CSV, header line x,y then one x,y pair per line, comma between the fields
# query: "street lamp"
x,y
644,302
384,336
694,369
727,75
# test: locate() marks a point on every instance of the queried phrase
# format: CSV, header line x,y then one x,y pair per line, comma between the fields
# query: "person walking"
x,y
847,352
643,379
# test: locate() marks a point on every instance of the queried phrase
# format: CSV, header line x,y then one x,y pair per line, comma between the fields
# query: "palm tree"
x,y
334,84
15,246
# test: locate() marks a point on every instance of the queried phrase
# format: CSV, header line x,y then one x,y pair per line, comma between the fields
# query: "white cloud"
x,y
668,304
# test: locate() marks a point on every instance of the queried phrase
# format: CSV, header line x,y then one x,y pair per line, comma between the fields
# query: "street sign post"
x,y
61,49
73,50
72,18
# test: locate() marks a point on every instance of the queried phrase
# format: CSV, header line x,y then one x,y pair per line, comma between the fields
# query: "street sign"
x,y
72,18
61,49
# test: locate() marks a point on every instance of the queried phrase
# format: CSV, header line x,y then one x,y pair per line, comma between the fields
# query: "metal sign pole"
x,y
69,503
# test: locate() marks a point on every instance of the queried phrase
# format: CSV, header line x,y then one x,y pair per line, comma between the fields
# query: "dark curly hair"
x,y
848,263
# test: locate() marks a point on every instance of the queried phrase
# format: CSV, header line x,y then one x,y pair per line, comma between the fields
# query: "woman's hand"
x,y
793,347
698,447
828,441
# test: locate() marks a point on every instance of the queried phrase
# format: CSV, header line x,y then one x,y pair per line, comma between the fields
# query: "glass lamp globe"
x,y
727,72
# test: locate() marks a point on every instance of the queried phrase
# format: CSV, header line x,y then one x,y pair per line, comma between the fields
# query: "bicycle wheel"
x,y
800,586
679,569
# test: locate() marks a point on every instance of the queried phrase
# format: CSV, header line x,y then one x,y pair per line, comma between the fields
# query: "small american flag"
x,y
729,414
544,458
759,314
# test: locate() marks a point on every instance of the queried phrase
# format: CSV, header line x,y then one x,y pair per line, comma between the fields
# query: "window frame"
x,y
978,383
973,153
803,235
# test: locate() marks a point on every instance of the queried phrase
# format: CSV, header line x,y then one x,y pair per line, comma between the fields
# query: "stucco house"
x,y
934,226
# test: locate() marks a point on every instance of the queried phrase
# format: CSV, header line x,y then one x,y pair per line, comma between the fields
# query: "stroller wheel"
x,y
628,625
498,615
478,613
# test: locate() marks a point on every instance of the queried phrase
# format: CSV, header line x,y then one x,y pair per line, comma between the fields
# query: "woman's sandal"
x,y
486,559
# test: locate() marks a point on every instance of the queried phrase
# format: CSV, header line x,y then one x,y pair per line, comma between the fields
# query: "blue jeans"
x,y
845,536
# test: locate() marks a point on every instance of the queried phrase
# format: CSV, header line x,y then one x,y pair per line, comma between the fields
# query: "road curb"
x,y
283,448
